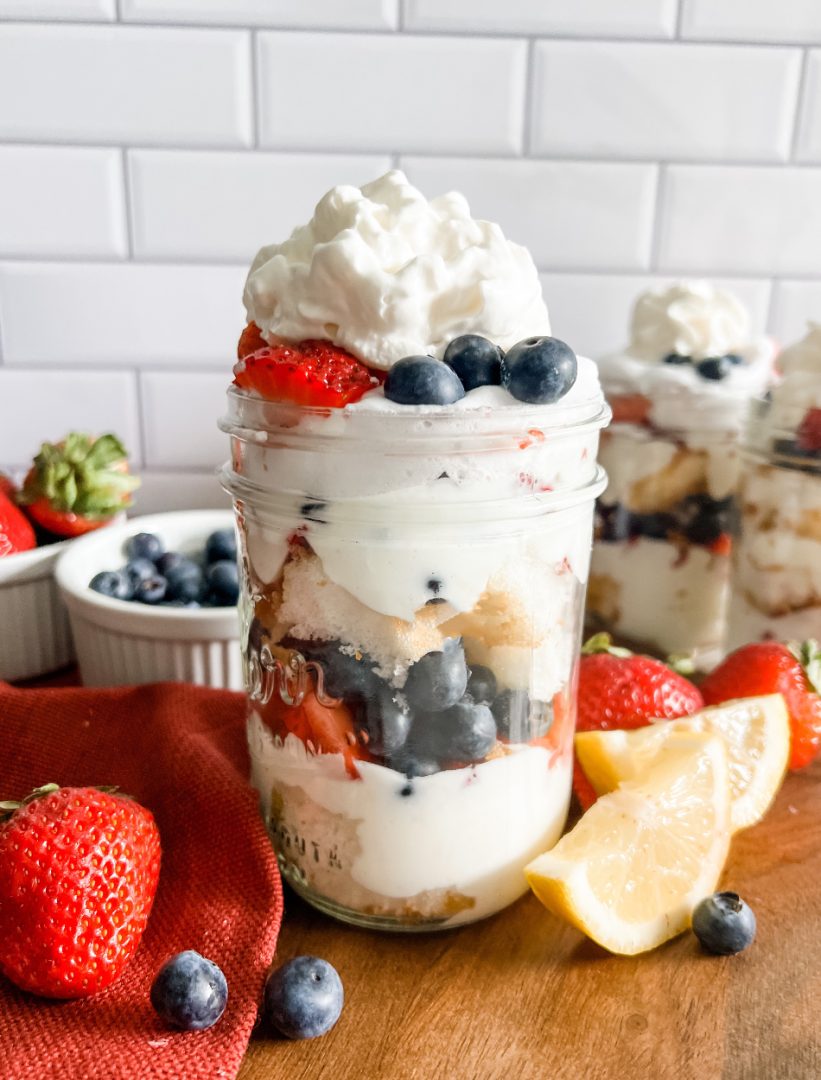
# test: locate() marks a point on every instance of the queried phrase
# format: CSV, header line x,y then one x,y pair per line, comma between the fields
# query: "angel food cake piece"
x,y
777,571
679,393
414,472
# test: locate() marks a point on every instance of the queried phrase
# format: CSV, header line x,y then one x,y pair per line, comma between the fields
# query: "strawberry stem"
x,y
603,643
9,807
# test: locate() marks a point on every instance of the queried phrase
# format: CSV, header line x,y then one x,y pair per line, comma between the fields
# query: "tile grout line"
x,y
769,322
401,15
256,88
659,203
141,419
529,99
129,205
679,21
798,111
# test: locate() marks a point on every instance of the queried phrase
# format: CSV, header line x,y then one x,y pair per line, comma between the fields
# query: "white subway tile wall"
x,y
149,147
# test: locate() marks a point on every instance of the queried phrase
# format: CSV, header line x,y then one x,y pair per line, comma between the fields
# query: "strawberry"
x,y
769,667
619,689
78,485
78,874
250,340
310,373
808,436
722,545
327,730
630,408
7,486
16,533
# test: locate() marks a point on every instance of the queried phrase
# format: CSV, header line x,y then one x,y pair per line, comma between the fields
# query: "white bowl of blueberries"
x,y
154,599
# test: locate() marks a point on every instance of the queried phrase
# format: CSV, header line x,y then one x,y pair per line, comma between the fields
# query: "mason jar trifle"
x,y
777,561
413,467
679,393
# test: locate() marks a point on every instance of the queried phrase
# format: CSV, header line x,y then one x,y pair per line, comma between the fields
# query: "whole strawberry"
x,y
770,667
78,874
620,689
78,485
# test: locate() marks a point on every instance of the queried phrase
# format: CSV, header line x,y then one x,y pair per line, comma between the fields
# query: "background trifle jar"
x,y
412,604
777,559
661,562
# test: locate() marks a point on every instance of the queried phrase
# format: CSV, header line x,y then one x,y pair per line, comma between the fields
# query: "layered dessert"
x,y
414,472
679,394
777,574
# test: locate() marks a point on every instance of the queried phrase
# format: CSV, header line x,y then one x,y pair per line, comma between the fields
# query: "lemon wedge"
x,y
756,731
634,867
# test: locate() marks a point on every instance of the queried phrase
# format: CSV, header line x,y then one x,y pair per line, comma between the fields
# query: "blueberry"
x,y
182,603
413,764
185,581
387,721
477,361
466,732
303,998
438,679
139,569
703,520
144,546
677,358
540,370
714,367
151,590
520,719
614,523
170,559
345,676
422,380
189,991
221,545
222,579
114,583
482,684
653,526
723,923
734,359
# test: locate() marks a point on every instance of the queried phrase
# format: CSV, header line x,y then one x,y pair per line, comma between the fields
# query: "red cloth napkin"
x,y
179,750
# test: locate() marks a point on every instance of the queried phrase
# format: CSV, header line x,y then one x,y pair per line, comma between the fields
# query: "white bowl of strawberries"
x,y
75,486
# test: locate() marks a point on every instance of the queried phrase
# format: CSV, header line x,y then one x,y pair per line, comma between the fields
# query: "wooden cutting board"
x,y
523,995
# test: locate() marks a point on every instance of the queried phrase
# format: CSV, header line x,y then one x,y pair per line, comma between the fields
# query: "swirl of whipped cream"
x,y
693,318
385,273
800,385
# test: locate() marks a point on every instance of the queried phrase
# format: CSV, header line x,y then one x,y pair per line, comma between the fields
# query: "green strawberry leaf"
x,y
82,475
603,643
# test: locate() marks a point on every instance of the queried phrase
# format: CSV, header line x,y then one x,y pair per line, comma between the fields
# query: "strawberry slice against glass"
x,y
311,373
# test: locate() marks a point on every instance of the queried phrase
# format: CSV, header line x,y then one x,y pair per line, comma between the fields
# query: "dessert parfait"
x,y
777,563
679,393
413,467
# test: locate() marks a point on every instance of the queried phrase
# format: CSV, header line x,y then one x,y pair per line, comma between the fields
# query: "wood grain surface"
x,y
522,995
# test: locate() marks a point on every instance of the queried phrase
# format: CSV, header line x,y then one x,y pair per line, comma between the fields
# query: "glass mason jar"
x,y
411,608
659,579
777,559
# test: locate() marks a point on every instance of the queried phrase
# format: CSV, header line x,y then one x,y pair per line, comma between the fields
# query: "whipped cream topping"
x,y
799,388
697,320
385,273
692,318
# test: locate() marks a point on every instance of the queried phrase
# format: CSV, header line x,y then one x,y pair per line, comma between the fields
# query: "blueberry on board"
x,y
481,684
222,581
189,991
387,720
221,545
114,583
170,559
466,732
144,546
714,367
677,358
438,679
477,361
724,924
539,370
422,380
151,590
303,998
185,581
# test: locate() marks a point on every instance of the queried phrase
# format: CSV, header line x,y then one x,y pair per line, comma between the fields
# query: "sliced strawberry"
x,y
332,731
808,437
16,534
630,409
79,484
312,373
250,340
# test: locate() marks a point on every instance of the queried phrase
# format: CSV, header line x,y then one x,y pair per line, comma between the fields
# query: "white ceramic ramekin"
x,y
34,632
122,643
